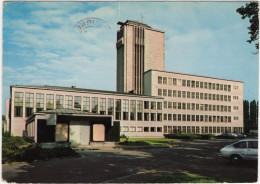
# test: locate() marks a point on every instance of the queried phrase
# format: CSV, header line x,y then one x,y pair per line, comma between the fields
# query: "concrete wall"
x,y
154,50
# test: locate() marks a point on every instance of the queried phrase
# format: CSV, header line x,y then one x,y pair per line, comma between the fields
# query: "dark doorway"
x,y
45,133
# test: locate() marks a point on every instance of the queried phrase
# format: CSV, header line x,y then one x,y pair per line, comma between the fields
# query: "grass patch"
x,y
177,177
151,141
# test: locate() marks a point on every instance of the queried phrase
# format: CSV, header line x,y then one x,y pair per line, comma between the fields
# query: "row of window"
x,y
196,106
182,129
110,106
195,95
201,118
194,84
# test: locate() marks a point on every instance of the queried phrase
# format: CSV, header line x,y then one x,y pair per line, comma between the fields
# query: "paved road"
x,y
139,165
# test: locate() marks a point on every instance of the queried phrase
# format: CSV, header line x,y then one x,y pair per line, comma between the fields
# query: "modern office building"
x,y
149,101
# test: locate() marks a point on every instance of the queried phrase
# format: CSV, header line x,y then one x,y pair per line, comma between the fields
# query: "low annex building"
x,y
149,101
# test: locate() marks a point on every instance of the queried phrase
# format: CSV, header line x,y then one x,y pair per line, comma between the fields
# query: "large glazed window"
x,y
125,109
110,106
59,101
28,104
118,109
77,102
139,110
102,106
132,109
68,102
18,104
94,105
86,103
39,102
49,102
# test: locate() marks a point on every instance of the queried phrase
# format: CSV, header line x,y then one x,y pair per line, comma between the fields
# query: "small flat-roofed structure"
x,y
69,125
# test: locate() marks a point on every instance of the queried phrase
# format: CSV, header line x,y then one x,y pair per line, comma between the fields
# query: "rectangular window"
x,y
102,105
125,109
179,105
139,110
174,117
183,82
159,92
229,88
146,129
39,102
139,129
68,102
146,116
184,117
174,105
174,93
205,85
110,108
193,95
159,117
49,102
210,85
153,105
159,129
86,104
159,80
152,129
179,94
201,95
188,83
197,84
169,117
209,96
94,105
179,117
132,109
165,104
225,87
28,104
213,86
164,92
59,101
201,84
221,87
118,109
174,81
188,117
197,95
170,93
125,129
77,102
188,94
193,84
183,105
132,129
183,94
146,104
188,106
159,105
165,80
170,81
164,116
153,116
169,105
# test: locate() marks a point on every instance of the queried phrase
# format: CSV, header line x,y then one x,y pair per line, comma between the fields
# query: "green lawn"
x,y
152,141
177,177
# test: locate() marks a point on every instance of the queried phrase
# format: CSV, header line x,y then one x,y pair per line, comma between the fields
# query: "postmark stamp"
x,y
92,22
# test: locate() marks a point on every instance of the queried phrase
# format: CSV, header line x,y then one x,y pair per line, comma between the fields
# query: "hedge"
x,y
189,136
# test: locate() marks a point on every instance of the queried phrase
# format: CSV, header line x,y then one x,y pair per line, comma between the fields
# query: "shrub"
x,y
122,136
188,136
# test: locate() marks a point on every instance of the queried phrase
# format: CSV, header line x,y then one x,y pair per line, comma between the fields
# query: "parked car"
x,y
227,136
245,149
239,135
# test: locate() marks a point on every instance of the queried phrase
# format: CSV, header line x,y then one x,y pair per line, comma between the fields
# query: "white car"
x,y
246,149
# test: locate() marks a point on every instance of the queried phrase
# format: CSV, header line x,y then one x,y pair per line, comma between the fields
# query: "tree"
x,y
246,116
253,120
251,11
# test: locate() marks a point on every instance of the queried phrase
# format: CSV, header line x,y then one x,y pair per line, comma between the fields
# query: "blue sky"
x,y
42,47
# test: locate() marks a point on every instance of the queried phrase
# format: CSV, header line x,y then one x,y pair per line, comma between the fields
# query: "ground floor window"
x,y
152,129
139,129
125,129
146,129
159,129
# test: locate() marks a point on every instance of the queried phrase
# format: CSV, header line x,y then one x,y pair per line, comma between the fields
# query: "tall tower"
x,y
139,49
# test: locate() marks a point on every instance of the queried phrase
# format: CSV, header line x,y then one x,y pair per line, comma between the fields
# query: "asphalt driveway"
x,y
134,165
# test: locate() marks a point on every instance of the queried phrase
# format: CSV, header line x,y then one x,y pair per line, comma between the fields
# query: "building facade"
x,y
149,102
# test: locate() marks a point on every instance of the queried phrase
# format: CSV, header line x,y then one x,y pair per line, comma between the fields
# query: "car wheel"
x,y
235,159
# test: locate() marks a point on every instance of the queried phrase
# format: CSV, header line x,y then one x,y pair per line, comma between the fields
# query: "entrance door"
x,y
79,133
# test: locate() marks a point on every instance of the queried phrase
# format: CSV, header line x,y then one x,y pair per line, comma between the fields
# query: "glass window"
x,y
165,80
132,129
102,104
159,129
77,102
139,129
183,82
86,104
94,105
174,81
146,129
188,94
159,80
183,94
174,93
146,116
240,145
159,105
125,109
188,83
201,84
28,104
179,94
39,102
146,104
197,84
159,92
159,117
68,102
169,81
153,116
49,102
59,101
132,109
139,110
118,109
164,92
153,105
193,84
170,93
110,108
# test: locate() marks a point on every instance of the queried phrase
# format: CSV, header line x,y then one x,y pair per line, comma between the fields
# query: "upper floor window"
x,y
164,80
68,102
159,80
86,104
59,101
94,105
110,108
174,81
39,102
153,105
146,104
28,104
183,82
125,109
18,104
139,110
77,102
102,106
132,109
49,102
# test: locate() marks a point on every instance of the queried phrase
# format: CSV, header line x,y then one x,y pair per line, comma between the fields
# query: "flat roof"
x,y
192,75
133,22
82,90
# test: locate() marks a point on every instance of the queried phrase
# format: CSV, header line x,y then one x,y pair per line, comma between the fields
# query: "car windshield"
x,y
240,144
